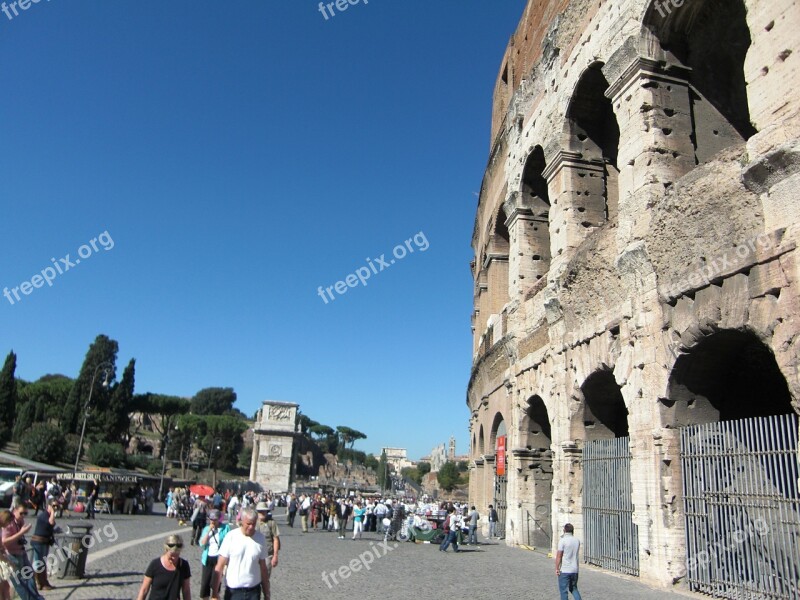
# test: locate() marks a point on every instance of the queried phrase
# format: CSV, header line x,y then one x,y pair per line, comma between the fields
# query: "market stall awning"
x,y
103,475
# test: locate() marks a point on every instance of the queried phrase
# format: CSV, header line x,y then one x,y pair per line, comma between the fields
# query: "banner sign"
x,y
500,459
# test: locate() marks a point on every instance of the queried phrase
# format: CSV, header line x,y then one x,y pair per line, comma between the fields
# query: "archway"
x,y
739,470
534,464
535,233
499,443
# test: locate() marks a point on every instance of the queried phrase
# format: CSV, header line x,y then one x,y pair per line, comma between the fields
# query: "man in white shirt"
x,y
244,551
567,563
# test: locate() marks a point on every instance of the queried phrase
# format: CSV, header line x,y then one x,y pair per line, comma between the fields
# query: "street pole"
x,y
210,456
108,367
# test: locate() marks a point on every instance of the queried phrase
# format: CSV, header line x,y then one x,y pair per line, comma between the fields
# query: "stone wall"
x,y
635,267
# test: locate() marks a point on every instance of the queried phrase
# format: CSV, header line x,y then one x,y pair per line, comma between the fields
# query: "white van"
x,y
8,477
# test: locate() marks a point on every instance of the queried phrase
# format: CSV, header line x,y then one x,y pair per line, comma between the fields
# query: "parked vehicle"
x,y
8,477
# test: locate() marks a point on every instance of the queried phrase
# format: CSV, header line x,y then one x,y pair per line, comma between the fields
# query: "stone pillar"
x,y
653,109
476,487
567,491
533,478
577,189
529,255
273,445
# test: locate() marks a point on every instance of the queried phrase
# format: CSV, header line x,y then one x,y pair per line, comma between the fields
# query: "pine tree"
x,y
8,397
102,350
117,418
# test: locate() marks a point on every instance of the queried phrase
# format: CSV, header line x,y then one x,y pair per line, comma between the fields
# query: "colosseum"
x,y
636,323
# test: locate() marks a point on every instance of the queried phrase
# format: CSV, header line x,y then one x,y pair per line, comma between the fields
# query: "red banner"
x,y
500,460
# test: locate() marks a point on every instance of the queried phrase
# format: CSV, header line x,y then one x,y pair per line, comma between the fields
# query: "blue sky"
x,y
240,155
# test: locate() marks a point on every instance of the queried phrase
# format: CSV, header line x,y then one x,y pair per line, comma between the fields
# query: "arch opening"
x,y
605,414
536,197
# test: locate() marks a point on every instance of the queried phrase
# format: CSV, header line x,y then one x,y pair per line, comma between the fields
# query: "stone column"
x,y
653,109
529,254
273,446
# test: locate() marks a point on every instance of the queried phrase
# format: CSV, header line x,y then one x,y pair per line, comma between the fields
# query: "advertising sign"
x,y
500,460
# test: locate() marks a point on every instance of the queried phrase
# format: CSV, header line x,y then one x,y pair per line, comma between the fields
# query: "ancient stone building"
x,y
274,435
636,312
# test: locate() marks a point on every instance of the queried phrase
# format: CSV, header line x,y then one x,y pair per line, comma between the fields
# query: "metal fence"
x,y
500,503
612,538
740,487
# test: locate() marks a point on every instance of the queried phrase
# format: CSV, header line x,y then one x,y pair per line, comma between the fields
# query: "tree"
x,y
448,476
372,463
104,454
116,420
43,443
184,437
41,402
424,468
223,441
163,412
383,469
103,349
213,401
8,397
411,473
350,436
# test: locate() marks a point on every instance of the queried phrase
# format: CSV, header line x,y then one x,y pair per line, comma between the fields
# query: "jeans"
x,y
24,586
492,528
473,535
208,573
568,581
253,593
290,519
450,539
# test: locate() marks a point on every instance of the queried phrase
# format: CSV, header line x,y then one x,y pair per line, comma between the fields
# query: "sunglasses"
x,y
174,545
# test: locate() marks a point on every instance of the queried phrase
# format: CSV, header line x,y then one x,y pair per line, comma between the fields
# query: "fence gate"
x,y
740,489
500,483
612,538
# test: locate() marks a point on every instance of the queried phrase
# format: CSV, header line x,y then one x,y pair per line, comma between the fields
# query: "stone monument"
x,y
273,445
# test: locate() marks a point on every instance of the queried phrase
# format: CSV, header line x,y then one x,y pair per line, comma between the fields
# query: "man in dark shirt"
x,y
41,540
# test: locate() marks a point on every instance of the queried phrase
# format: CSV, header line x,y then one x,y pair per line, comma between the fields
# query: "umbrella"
x,y
201,490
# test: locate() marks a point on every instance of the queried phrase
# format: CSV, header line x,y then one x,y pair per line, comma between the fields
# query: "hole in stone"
x,y
586,224
667,130
784,55
536,257
770,25
582,137
669,112
581,209
669,88
765,70
716,132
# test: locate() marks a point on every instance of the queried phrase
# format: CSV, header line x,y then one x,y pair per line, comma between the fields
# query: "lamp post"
x,y
107,369
214,445
164,463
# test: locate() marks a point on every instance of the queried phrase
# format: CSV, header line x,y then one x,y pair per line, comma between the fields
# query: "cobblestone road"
x,y
396,571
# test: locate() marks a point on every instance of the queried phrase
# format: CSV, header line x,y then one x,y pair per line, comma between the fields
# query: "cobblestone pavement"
x,y
395,571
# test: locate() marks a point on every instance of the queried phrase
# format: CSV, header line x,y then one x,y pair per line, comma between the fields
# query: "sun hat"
x,y
262,507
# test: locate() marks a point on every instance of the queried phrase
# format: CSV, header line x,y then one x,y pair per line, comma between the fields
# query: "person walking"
x,y
567,563
305,507
244,552
210,542
358,520
291,511
14,540
198,520
167,577
91,501
41,540
454,526
272,535
492,521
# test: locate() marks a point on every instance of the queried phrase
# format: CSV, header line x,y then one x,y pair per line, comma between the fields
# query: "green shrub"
x,y
104,454
43,443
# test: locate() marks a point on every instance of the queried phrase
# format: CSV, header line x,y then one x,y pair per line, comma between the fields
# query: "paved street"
x,y
396,572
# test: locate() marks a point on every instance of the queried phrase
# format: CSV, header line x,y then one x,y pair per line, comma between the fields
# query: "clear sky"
x,y
228,159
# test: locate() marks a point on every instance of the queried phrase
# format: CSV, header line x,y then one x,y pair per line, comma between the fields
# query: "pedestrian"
x,y
91,501
342,514
198,520
168,576
41,540
233,508
358,520
210,542
6,567
292,511
272,535
244,552
454,526
567,563
305,506
474,517
14,540
492,521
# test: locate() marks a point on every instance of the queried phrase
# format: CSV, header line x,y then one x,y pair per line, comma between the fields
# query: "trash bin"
x,y
74,551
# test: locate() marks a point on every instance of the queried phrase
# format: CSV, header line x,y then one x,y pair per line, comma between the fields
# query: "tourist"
x,y
210,542
453,526
14,540
91,501
358,520
343,510
198,519
492,521
269,528
244,552
292,510
305,506
473,518
41,540
567,563
168,575
233,508
6,566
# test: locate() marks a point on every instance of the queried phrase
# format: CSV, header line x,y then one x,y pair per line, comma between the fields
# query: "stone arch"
x,y
499,240
535,430
593,134
481,444
498,428
711,38
730,374
534,231
605,414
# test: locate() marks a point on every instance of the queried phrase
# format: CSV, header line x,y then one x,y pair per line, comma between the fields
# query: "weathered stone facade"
x,y
274,435
635,250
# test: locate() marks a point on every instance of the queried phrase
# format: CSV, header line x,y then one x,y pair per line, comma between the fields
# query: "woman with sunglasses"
x,y
168,575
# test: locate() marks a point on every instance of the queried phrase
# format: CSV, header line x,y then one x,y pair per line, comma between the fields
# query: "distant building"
x,y
397,458
273,445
